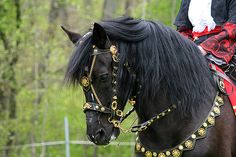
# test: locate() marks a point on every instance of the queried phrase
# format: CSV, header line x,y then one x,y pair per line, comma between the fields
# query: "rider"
x,y
211,24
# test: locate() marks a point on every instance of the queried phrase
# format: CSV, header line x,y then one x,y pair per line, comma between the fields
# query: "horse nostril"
x,y
100,132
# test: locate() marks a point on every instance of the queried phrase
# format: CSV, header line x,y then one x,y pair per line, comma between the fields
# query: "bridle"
x,y
116,115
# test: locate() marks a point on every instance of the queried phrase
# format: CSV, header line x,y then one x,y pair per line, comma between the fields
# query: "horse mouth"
x,y
101,138
104,141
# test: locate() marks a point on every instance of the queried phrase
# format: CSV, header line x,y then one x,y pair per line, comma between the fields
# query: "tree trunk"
x,y
9,98
173,11
144,9
109,9
129,4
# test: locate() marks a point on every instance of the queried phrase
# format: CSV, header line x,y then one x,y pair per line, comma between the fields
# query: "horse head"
x,y
98,76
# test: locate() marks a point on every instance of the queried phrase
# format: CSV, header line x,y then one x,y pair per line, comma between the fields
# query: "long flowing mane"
x,y
163,60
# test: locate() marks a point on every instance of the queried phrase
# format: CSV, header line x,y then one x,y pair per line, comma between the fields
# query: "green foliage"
x,y
42,98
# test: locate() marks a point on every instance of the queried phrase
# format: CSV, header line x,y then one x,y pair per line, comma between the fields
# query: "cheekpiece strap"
x,y
95,107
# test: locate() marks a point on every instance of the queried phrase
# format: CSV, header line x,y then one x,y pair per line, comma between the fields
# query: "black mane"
x,y
163,60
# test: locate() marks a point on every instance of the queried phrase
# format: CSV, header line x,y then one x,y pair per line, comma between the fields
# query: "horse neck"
x,y
173,128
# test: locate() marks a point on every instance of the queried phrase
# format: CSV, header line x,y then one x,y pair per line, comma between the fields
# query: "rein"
x,y
116,115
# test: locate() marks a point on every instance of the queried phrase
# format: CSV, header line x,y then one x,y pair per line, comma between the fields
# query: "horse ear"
x,y
74,37
99,36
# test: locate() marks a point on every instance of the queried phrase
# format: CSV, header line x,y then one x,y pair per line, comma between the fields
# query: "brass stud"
x,y
220,100
148,154
154,154
116,123
205,124
176,153
114,105
222,85
119,113
212,114
163,114
168,153
95,51
143,149
94,46
181,147
138,147
97,107
86,105
161,155
193,136
189,144
113,49
85,81
201,132
103,109
211,120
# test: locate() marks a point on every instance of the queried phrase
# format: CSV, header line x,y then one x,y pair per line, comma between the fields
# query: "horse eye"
x,y
104,78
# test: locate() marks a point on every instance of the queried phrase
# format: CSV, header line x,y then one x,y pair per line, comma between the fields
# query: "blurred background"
x,y
35,105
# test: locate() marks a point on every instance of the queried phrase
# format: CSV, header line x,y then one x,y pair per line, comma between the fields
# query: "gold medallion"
x,y
138,147
220,100
189,144
201,132
148,154
217,110
176,153
85,81
161,155
211,120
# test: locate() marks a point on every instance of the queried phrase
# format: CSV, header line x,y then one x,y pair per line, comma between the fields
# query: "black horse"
x,y
180,110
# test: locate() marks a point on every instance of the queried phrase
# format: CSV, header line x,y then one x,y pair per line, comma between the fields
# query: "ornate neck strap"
x,y
188,143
